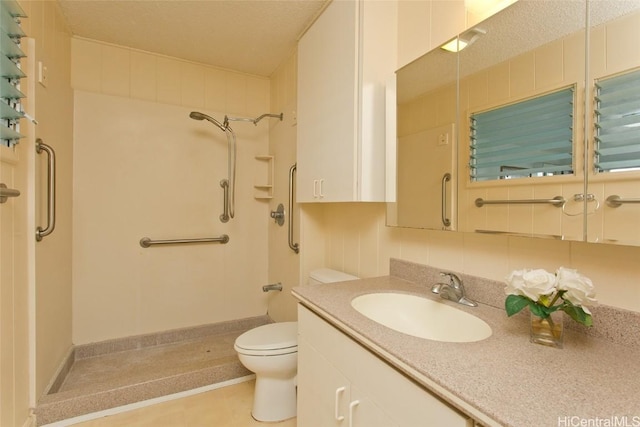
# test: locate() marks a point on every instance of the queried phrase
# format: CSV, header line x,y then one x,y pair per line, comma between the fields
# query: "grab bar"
x,y
557,201
51,186
445,178
292,170
225,212
5,193
146,242
615,201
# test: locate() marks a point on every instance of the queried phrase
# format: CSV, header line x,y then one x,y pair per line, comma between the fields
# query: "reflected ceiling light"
x,y
463,40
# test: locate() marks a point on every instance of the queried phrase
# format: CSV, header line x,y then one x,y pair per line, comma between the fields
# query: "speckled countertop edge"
x,y
503,380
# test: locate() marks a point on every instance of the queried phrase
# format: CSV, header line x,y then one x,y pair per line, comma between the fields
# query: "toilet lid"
x,y
266,338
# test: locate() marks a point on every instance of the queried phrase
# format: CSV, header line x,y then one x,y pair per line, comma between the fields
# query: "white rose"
x,y
515,282
579,288
531,283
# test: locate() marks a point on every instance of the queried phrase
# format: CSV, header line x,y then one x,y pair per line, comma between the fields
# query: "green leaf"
x,y
539,310
578,314
515,303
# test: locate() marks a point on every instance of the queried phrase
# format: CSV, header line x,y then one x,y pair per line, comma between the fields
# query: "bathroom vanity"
x,y
353,370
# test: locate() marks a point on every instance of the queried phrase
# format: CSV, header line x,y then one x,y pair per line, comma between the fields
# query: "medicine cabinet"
x,y
526,51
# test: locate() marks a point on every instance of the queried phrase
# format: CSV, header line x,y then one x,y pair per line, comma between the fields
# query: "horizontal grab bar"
x,y
614,201
145,242
556,201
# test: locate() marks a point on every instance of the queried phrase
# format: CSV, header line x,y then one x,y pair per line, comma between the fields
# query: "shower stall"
x,y
153,178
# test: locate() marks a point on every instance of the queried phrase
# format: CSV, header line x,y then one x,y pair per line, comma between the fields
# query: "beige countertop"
x,y
504,379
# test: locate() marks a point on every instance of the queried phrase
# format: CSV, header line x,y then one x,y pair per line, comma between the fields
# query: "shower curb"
x,y
60,404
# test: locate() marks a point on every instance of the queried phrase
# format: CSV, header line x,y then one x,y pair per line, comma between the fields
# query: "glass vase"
x,y
547,331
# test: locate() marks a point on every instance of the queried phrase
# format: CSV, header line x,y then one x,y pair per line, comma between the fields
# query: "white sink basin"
x,y
422,317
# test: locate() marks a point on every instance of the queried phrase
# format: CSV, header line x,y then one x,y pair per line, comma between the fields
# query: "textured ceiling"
x,y
251,36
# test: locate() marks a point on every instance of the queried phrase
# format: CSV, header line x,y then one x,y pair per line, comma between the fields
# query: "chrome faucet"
x,y
453,291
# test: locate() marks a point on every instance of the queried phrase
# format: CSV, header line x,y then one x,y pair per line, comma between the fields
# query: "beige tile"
x,y
471,217
486,255
520,216
116,68
414,245
478,90
616,220
525,252
143,76
215,90
597,58
446,105
572,221
449,255
236,94
497,215
498,83
258,98
522,75
547,219
85,65
622,39
549,65
573,58
168,80
193,84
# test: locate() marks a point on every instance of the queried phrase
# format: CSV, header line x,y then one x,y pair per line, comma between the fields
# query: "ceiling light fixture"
x,y
463,40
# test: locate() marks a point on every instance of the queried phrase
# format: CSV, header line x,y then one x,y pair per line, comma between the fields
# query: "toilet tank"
x,y
327,275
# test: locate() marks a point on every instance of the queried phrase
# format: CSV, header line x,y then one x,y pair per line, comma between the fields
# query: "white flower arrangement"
x,y
545,292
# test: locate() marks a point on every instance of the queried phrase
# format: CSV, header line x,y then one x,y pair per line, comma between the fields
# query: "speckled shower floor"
x,y
119,372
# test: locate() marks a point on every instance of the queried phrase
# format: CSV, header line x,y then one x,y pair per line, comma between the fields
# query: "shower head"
x,y
196,115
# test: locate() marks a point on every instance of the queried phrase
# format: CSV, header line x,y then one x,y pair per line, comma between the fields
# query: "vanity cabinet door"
x,y
374,394
323,392
328,398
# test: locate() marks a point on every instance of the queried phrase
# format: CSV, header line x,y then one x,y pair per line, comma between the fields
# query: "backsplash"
x,y
610,323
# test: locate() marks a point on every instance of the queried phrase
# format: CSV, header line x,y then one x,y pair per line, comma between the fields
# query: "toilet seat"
x,y
269,340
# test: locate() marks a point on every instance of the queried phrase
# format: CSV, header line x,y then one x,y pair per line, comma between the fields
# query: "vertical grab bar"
x,y
51,190
445,178
224,217
292,170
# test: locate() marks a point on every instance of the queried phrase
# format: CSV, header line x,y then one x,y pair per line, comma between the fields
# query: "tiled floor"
x,y
225,407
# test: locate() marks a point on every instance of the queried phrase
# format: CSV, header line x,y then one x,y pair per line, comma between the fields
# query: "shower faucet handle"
x,y
278,215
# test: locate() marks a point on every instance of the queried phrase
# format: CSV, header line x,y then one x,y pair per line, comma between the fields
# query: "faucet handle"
x,y
454,281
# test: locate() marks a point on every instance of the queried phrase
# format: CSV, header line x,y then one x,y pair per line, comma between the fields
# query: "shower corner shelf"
x,y
264,190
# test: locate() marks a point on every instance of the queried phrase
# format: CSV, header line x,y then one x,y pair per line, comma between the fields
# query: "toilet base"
x,y
274,399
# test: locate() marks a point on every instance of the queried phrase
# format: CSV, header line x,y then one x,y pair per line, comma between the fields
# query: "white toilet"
x,y
271,352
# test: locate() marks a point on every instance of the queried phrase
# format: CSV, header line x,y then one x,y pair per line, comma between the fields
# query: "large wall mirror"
x,y
513,117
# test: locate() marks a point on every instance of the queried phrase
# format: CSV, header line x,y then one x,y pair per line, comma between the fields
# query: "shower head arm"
x,y
279,116
255,121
